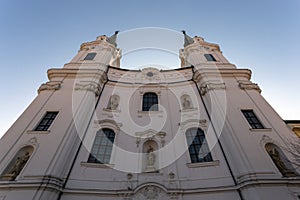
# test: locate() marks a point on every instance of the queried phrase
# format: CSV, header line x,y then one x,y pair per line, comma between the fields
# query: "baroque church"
x,y
98,131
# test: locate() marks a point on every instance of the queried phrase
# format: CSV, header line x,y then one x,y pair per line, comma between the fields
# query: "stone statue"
x,y
187,39
18,166
113,39
150,160
186,104
114,102
277,160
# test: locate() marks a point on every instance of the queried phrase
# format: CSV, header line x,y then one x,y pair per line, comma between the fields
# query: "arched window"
x,y
17,164
150,102
102,147
279,159
198,148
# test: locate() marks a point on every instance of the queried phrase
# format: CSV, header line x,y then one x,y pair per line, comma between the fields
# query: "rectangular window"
x,y
209,57
90,56
102,147
252,119
198,147
46,121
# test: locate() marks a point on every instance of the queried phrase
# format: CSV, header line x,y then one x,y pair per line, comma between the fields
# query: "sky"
x,y
259,35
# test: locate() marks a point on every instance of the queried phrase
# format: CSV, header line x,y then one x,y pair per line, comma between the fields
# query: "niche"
x,y
17,164
280,160
150,158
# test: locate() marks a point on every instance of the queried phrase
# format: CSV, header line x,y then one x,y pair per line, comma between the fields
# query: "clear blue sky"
x,y
38,35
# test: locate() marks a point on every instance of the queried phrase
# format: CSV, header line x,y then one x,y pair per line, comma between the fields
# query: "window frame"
x,y
252,119
196,148
102,147
147,108
46,121
90,56
209,57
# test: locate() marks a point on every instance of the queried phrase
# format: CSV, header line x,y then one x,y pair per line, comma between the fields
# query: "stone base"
x,y
150,169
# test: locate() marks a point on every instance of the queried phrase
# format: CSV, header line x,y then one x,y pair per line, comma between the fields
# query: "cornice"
x,y
248,85
72,73
207,86
201,74
89,86
50,85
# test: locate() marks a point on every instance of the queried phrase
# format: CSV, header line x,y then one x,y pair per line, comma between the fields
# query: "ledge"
x,y
260,129
110,110
203,164
96,165
38,132
150,112
188,110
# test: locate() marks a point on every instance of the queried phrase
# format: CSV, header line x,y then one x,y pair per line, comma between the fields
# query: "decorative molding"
x,y
265,140
248,85
150,192
50,85
206,87
90,86
33,142
105,122
150,133
202,123
151,73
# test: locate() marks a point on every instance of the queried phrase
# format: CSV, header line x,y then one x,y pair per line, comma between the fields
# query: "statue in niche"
x,y
18,166
150,159
275,155
114,102
186,102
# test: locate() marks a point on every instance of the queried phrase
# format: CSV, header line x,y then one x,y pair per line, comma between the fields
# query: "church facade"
x,y
97,131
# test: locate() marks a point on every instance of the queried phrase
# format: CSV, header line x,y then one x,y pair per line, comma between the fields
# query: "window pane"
x,y
46,121
150,102
90,56
198,148
209,57
102,146
252,119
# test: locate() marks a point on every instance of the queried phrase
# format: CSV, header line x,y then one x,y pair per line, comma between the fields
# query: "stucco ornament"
x,y
114,102
150,73
150,192
92,87
248,85
51,85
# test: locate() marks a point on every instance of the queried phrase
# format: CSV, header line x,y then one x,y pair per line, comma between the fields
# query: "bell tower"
x,y
37,151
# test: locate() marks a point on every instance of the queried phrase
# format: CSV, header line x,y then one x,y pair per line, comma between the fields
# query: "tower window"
x,y
150,102
90,56
252,119
46,122
209,57
102,147
198,148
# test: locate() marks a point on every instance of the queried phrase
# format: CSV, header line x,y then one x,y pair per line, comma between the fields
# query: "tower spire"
x,y
113,39
187,39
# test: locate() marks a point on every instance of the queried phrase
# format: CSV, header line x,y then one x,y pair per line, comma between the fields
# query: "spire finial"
x,y
113,39
187,39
